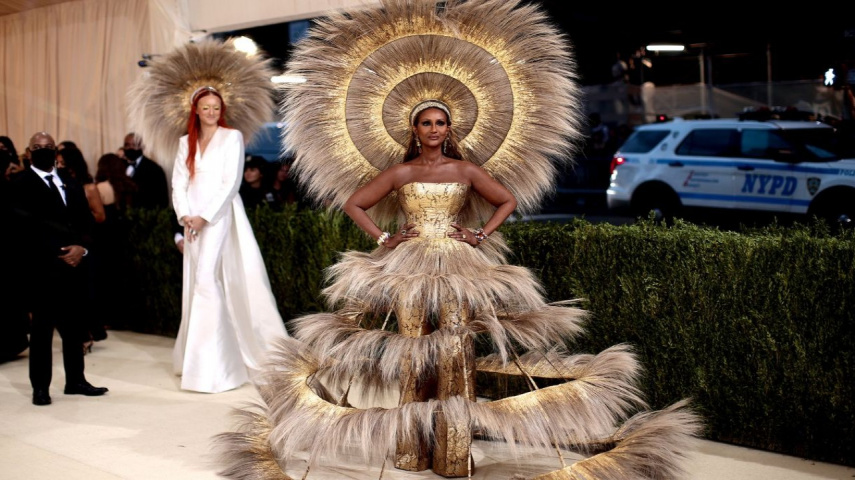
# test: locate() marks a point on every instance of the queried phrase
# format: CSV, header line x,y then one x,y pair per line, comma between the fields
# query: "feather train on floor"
x,y
406,322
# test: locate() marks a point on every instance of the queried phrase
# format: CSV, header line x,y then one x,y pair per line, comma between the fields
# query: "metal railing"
x,y
620,103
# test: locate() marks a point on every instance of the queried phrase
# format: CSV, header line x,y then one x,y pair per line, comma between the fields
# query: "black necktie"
x,y
53,188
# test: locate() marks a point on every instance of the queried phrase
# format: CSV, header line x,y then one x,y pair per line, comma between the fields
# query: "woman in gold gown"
x,y
432,184
445,285
479,98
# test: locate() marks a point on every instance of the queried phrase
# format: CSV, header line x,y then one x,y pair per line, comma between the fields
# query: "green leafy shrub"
x,y
755,327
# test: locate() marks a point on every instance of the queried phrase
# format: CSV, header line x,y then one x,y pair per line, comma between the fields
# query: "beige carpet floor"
x,y
147,428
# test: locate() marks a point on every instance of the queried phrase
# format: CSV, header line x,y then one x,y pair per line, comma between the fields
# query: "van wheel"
x,y
660,200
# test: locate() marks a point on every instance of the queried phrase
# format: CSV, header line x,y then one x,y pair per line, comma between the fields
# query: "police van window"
x,y
792,145
764,144
643,141
821,154
718,142
818,143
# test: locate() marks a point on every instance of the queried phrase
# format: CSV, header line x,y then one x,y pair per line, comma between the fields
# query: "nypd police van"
x,y
786,167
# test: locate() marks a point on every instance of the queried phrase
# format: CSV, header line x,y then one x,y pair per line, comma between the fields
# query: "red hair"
x,y
193,126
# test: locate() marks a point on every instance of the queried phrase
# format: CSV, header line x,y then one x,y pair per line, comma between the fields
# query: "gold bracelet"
x,y
381,240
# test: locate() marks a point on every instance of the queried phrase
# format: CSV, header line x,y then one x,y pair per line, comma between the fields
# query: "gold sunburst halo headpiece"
x,y
161,98
507,74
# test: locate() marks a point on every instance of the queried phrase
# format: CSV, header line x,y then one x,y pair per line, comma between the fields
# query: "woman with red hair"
x,y
229,314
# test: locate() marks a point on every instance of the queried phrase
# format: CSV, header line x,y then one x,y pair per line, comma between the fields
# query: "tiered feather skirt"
x,y
389,372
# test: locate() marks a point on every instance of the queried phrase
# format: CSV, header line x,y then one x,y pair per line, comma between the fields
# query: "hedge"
x,y
756,327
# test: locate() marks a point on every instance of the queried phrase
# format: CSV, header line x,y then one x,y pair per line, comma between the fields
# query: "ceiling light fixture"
x,y
665,47
246,45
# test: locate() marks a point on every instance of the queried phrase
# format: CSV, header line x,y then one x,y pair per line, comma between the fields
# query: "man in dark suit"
x,y
152,193
53,216
152,190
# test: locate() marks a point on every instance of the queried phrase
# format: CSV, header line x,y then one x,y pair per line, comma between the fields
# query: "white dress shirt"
x,y
55,179
132,167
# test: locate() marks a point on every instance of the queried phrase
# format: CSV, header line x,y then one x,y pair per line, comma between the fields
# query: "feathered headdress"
x,y
161,98
507,75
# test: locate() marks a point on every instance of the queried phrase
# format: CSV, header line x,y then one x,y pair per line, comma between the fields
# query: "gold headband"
x,y
199,90
422,106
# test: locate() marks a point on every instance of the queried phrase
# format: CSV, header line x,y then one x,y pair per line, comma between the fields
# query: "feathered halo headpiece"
x,y
161,98
506,73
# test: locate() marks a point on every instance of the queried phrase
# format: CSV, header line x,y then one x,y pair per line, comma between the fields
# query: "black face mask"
x,y
132,154
43,159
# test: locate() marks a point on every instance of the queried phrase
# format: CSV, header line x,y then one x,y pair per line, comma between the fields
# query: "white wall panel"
x,y
215,16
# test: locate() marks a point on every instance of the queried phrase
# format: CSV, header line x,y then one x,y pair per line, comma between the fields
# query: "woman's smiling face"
x,y
208,108
431,127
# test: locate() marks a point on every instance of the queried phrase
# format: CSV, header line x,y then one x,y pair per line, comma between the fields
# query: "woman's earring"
x,y
419,144
444,144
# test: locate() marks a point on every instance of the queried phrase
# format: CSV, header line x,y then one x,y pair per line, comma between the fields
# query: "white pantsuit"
x,y
229,317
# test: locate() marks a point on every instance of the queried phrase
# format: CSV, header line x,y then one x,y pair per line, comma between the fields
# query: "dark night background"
x,y
803,44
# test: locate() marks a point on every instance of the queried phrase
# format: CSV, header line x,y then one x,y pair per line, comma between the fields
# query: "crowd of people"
x,y
96,287
268,183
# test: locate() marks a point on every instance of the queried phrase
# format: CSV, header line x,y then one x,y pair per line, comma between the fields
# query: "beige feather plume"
x,y
344,347
651,445
428,277
246,452
160,100
582,410
580,415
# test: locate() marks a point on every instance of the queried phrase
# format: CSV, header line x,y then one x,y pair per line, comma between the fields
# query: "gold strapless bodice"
x,y
432,207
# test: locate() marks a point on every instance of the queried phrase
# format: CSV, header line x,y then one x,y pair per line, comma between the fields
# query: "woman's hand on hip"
x,y
463,234
405,234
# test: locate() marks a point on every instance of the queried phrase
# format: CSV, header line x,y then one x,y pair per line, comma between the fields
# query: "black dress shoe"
x,y
84,388
99,334
41,397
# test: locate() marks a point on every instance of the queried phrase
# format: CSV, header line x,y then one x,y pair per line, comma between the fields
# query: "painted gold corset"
x,y
432,207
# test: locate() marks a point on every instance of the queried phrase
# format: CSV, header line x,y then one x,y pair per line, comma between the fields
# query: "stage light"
x,y
246,45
